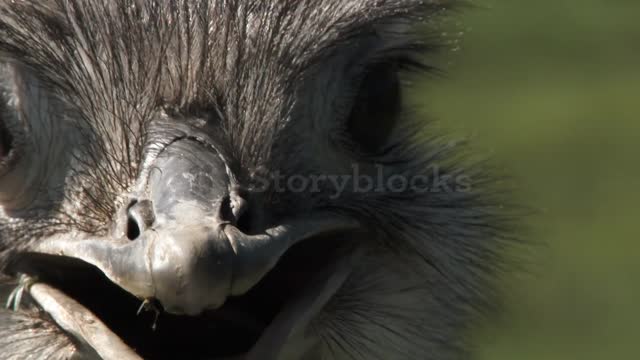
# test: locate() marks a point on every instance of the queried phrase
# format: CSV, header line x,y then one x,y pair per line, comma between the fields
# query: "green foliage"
x,y
551,89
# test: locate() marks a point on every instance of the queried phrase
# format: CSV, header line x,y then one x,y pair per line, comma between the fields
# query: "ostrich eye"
x,y
9,134
376,107
6,140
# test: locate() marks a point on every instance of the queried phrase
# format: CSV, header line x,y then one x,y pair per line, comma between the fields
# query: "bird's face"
x,y
232,171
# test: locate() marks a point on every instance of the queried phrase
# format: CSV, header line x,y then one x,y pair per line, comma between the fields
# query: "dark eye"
x,y
9,139
6,140
375,109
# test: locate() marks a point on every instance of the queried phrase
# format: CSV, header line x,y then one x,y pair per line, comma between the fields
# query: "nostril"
x,y
243,222
140,216
133,230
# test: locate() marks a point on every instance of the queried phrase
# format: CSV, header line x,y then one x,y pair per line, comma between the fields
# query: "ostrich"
x,y
234,179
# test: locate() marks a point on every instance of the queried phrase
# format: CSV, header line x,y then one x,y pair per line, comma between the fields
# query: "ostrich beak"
x,y
188,255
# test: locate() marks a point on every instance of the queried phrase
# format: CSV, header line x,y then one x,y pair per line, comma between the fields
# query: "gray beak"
x,y
185,249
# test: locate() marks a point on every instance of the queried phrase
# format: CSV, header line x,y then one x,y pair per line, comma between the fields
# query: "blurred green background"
x,y
551,89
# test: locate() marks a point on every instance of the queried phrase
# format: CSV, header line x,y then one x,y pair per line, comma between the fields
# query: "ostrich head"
x,y
242,174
